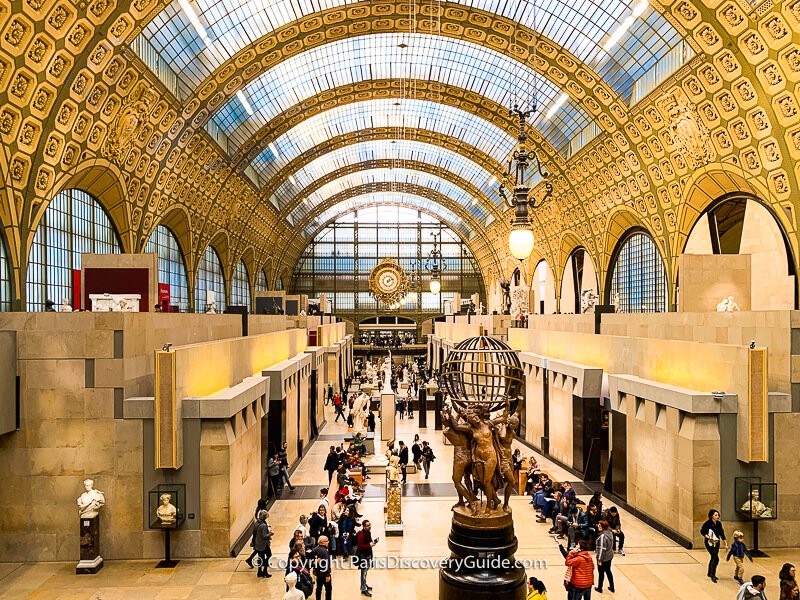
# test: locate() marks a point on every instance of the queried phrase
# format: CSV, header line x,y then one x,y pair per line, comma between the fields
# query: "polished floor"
x,y
654,567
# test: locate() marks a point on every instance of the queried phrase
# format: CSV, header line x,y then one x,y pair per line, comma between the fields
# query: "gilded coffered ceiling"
x,y
148,107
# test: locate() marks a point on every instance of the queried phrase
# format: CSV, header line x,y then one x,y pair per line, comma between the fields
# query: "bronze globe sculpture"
x,y
483,379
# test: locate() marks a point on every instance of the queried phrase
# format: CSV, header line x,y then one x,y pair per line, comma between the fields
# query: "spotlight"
x,y
166,347
752,344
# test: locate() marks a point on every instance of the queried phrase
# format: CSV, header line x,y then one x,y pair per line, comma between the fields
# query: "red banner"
x,y
76,291
163,296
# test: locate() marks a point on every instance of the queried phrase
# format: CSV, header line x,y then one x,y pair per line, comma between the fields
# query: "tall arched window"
x,y
240,286
5,278
73,223
279,284
210,277
639,280
171,269
261,281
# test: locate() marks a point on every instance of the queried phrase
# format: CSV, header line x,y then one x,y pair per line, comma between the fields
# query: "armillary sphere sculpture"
x,y
388,282
483,379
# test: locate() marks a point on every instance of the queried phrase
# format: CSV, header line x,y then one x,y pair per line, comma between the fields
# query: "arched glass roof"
x,y
400,176
425,57
398,151
390,113
395,198
196,36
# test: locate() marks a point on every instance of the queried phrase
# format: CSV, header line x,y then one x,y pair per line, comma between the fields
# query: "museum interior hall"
x,y
476,299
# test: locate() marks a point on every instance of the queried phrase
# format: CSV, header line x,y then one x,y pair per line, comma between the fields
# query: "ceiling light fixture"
x,y
195,21
435,264
520,240
248,109
556,105
615,37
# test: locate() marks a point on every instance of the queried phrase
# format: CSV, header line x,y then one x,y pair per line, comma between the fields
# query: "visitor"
x,y
612,516
713,534
371,421
403,460
322,568
298,565
738,551
339,407
365,543
536,590
274,470
787,573
596,500
427,458
754,589
318,524
789,591
416,451
298,537
605,554
401,408
261,537
331,463
260,505
580,570
323,499
285,465
516,461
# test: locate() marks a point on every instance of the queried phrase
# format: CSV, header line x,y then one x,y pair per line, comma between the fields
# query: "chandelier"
x,y
520,240
388,283
435,264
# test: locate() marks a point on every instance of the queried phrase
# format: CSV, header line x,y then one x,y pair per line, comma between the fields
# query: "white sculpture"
x,y
358,413
211,308
393,473
387,375
588,301
166,511
65,306
115,302
616,302
755,508
90,501
727,305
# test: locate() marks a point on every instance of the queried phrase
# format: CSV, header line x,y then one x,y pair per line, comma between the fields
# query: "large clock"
x,y
388,282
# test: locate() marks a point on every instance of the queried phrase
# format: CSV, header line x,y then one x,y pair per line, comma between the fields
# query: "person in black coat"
x,y
416,451
331,463
403,459
713,535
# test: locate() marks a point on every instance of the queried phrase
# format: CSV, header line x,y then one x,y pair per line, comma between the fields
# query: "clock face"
x,y
388,282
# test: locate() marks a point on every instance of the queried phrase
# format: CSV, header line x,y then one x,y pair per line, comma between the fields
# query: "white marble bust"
x,y
90,501
166,511
65,306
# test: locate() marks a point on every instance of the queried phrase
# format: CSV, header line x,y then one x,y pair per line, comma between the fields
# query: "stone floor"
x,y
654,567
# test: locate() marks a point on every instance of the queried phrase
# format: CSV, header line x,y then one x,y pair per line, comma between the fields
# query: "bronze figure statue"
x,y
462,459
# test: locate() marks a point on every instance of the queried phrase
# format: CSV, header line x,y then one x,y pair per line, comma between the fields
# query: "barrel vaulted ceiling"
x,y
257,121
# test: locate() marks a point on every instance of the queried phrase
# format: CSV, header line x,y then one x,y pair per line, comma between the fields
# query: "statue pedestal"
x,y
387,416
482,564
91,561
394,519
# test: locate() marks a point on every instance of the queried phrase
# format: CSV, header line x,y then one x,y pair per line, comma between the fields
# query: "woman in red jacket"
x,y
580,567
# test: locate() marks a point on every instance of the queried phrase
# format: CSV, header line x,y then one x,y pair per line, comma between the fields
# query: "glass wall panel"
x,y
261,281
171,268
73,223
639,282
210,277
240,286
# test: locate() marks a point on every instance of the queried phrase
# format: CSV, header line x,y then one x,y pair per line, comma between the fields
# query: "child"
x,y
739,551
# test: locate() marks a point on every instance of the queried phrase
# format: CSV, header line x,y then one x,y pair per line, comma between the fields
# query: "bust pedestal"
x,y
394,518
387,416
91,561
482,564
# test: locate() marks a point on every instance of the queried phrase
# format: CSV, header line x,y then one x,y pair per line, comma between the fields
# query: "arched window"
x,y
171,269
639,280
74,223
5,278
210,278
279,284
579,281
240,286
261,281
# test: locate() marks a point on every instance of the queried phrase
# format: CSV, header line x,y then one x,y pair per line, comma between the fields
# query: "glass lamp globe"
x,y
520,243
436,286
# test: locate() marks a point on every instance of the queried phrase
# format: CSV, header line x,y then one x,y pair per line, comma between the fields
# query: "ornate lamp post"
x,y
520,240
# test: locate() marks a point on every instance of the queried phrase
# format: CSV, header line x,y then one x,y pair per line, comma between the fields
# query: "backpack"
x,y
304,582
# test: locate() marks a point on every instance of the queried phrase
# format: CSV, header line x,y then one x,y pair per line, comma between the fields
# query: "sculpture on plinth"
x,y
483,378
89,504
65,306
588,301
387,375
358,412
755,508
727,305
394,496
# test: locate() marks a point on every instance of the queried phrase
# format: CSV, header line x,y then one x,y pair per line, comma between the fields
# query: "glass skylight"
x,y
398,175
390,198
424,57
579,26
421,114
400,152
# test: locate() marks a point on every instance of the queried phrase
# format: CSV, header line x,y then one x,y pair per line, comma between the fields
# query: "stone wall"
x,y
705,279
